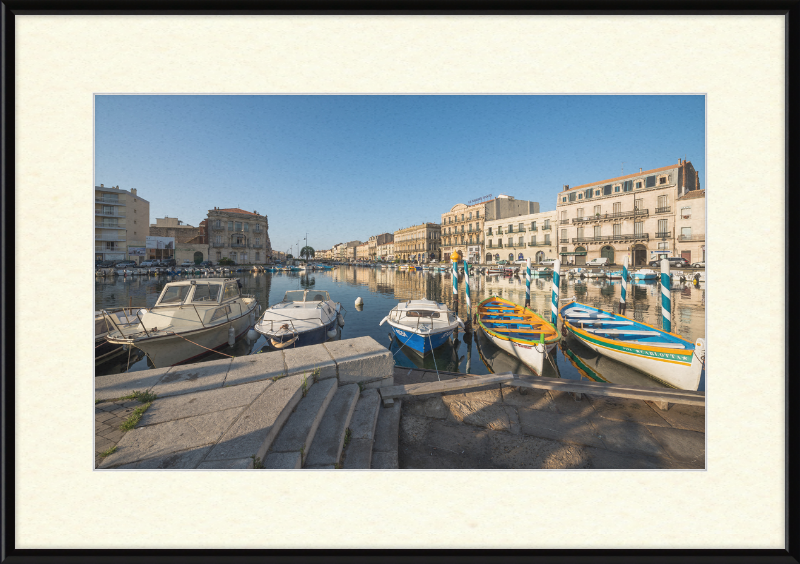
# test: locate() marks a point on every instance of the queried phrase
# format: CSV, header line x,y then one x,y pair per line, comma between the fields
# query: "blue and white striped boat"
x,y
644,274
422,325
303,317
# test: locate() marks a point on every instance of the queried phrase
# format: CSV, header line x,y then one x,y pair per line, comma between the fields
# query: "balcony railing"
x,y
599,238
104,249
563,221
540,244
109,201
662,234
108,238
534,228
564,240
498,246
238,245
546,228
120,213
612,215
691,238
218,245
663,210
109,226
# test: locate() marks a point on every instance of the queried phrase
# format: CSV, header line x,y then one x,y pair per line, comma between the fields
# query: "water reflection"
x,y
381,289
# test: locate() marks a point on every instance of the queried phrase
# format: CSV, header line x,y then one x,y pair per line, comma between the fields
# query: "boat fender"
x,y
231,335
383,321
332,333
359,301
279,345
252,335
340,319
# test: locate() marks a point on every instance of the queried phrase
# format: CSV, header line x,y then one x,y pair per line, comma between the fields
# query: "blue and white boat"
x,y
422,325
303,317
644,274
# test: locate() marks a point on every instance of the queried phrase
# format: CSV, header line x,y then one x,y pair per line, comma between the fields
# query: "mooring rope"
x,y
434,359
201,346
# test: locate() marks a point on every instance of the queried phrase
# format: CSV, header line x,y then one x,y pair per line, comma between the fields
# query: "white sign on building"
x,y
153,242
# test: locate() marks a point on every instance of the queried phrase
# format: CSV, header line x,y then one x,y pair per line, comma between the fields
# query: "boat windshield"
x,y
174,295
206,292
423,313
317,296
294,296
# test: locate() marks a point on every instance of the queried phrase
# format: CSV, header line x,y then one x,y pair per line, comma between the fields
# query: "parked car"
x,y
167,262
148,263
548,262
126,264
187,263
104,264
601,261
700,264
502,262
207,263
673,261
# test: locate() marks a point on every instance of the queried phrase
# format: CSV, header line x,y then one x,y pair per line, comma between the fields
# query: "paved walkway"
x,y
503,427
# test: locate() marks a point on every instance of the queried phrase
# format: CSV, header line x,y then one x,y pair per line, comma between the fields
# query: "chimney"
x,y
679,160
640,170
101,185
133,191
566,186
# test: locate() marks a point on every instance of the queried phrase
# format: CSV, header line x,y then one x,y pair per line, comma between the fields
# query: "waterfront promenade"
x,y
320,407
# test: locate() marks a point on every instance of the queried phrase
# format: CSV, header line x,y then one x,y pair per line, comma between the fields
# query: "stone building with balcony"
x,y
463,226
350,250
633,215
522,237
362,252
418,243
239,235
121,220
690,226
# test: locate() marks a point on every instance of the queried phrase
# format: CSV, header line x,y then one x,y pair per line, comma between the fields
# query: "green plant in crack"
x,y
305,385
257,464
142,397
134,417
105,453
315,374
346,437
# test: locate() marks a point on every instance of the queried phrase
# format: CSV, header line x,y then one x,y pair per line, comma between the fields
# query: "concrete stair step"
x,y
358,452
298,432
387,431
326,448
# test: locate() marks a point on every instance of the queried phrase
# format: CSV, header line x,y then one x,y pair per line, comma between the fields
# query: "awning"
x,y
581,253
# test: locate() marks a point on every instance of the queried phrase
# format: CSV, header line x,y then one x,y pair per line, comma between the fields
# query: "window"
x,y
230,226
617,229
579,213
221,312
617,188
638,228
247,227
547,224
510,228
174,295
662,225
580,196
489,232
572,197
686,213
258,256
490,242
218,239
686,232
627,186
597,210
596,231
662,180
470,216
547,239
207,292
533,226
238,226
563,198
462,217
563,215
638,204
231,291
477,214
521,242
563,233
219,255
650,181
638,184
662,201
510,241
663,246
588,193
522,227
617,207
607,190
580,232
597,192
533,239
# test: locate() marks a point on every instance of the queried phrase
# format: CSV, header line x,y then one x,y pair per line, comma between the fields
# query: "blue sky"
x,y
347,167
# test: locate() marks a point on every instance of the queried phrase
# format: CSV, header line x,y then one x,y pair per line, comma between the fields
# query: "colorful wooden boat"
x,y
517,330
667,357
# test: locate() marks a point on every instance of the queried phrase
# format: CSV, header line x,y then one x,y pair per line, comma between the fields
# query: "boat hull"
x,y
420,343
315,336
677,368
530,355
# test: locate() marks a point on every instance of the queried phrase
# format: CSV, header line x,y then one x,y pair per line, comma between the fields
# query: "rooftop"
x,y
235,210
693,194
627,176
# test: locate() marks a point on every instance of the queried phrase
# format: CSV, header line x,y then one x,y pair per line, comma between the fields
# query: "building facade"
x,y
189,242
121,220
531,236
691,226
363,252
372,242
350,250
239,235
418,243
386,252
633,215
463,226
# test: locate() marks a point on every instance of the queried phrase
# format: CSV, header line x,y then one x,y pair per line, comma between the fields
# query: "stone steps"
x,y
326,448
358,452
295,437
387,431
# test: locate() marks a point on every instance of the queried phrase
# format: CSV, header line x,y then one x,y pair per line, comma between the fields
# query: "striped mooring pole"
x,y
666,305
467,325
528,283
454,258
556,284
624,294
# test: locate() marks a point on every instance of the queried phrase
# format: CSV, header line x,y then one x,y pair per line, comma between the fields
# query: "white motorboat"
x,y
124,317
303,317
422,325
190,318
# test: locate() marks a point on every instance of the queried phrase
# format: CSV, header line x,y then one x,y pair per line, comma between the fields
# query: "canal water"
x,y
382,289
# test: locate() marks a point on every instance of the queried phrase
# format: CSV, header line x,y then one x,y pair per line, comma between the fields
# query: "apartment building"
x,y
386,251
634,215
463,226
121,220
351,250
691,226
530,236
363,251
419,243
239,235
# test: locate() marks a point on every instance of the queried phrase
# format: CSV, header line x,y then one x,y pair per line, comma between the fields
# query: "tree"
x,y
307,252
